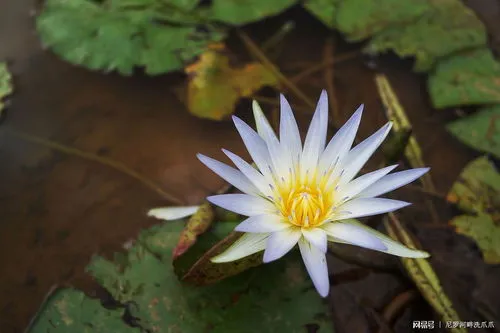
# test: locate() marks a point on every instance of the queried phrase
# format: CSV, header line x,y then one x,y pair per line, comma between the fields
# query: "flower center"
x,y
305,206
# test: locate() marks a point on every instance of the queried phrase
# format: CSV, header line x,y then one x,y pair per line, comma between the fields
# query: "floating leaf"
x,y
477,191
468,78
484,231
446,27
69,310
5,84
324,10
480,130
214,87
239,12
423,275
276,297
360,19
123,36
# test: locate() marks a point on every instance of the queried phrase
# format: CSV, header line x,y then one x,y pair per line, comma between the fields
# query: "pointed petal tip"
x,y
324,293
418,254
359,111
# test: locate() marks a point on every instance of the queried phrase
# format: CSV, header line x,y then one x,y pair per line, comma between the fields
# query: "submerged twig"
x,y
275,102
102,160
257,52
332,61
397,305
330,81
278,36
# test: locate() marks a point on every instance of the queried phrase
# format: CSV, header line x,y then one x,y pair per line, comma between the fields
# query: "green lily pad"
x,y
123,35
467,78
276,297
239,12
480,130
360,19
5,84
477,191
69,310
324,10
446,27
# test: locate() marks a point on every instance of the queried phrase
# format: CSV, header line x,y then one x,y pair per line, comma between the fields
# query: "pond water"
x,y
58,210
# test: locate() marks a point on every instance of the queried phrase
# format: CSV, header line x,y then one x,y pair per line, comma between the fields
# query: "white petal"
x,y
317,237
392,247
368,206
243,204
341,143
256,147
316,136
280,242
358,156
353,234
289,131
392,182
262,224
229,174
249,171
263,127
172,213
276,153
245,245
359,184
315,262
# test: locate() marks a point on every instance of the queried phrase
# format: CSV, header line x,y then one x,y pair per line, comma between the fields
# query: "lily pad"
x,y
215,87
276,297
324,10
446,27
360,19
477,191
239,12
480,130
5,84
123,35
69,310
471,77
485,231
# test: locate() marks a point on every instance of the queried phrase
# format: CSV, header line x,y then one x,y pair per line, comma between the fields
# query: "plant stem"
x,y
95,158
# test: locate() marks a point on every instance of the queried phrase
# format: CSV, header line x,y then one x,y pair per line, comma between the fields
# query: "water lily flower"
x,y
307,193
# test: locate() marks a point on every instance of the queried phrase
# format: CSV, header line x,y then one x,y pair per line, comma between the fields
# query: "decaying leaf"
x,y
205,272
276,297
477,191
485,230
395,112
423,275
123,35
69,310
195,226
324,10
360,19
471,77
5,84
446,27
215,87
480,130
239,12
